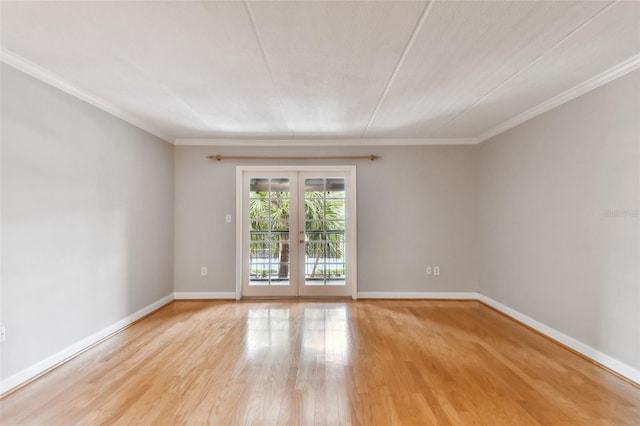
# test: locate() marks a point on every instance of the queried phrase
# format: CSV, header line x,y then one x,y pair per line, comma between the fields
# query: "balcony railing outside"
x,y
319,263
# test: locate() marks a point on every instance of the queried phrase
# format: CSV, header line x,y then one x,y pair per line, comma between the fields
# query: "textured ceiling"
x,y
320,70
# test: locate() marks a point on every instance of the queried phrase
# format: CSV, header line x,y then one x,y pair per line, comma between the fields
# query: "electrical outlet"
x,y
436,270
428,270
203,271
3,333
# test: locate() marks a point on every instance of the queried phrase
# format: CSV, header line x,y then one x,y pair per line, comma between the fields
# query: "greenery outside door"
x,y
296,232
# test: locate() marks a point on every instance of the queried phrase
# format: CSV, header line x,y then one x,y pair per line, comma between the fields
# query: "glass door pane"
x,y
324,229
269,242
298,232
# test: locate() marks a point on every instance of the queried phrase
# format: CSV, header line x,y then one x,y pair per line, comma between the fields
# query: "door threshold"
x,y
295,298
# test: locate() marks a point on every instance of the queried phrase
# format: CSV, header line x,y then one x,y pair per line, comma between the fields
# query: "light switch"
x,y
227,218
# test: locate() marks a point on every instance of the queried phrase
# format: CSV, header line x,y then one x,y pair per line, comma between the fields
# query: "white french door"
x,y
296,231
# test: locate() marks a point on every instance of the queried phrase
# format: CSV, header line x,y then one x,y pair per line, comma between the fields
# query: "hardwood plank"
x,y
374,362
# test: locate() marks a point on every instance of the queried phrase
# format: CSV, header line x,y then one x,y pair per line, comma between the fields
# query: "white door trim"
x,y
352,248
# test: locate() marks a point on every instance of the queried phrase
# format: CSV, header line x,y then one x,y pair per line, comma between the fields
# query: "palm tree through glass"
x,y
269,213
324,204
324,225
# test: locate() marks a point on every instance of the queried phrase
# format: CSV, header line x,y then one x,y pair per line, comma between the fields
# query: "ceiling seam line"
x,y
399,64
177,97
266,61
542,55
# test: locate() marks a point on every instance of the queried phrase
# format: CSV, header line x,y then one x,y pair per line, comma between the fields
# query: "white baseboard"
x,y
77,348
618,366
205,295
417,295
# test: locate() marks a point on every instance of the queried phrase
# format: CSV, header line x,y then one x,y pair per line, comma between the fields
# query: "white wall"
x,y
416,207
558,200
87,220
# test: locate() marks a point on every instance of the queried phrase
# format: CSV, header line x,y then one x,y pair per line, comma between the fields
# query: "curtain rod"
x,y
337,157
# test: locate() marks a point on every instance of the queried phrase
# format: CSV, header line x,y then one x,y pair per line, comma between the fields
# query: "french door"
x,y
296,231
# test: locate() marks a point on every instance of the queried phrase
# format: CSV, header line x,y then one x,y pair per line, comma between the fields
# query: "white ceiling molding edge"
x,y
36,71
601,79
324,142
48,77
530,64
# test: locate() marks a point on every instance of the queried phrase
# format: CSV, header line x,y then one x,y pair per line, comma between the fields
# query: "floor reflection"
x,y
325,333
267,330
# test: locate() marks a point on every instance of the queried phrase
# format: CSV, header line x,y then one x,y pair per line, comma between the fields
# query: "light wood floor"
x,y
299,363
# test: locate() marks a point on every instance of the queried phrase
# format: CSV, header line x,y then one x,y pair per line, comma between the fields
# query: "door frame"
x,y
350,212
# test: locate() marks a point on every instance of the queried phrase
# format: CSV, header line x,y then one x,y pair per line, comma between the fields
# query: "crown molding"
x,y
36,71
324,142
601,79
